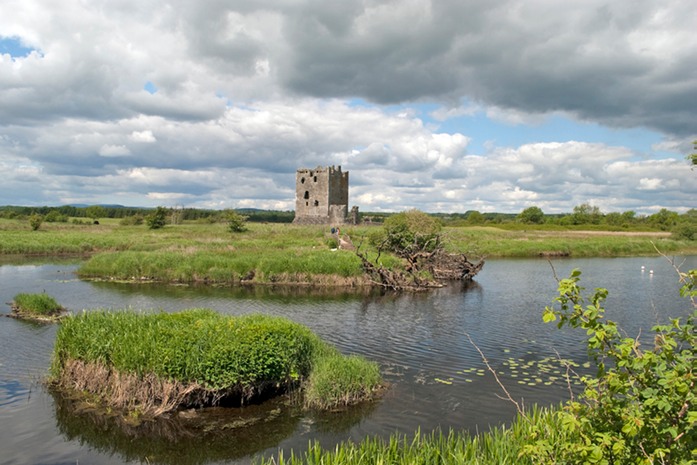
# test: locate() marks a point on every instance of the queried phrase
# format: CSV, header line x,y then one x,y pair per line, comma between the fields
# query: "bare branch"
x,y
520,410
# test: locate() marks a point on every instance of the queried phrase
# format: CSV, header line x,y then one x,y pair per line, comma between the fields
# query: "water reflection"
x,y
189,438
420,340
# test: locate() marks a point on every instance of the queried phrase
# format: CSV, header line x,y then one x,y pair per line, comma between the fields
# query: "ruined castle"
x,y
321,197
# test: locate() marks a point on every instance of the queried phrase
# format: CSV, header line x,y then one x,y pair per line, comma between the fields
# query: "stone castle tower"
x,y
321,197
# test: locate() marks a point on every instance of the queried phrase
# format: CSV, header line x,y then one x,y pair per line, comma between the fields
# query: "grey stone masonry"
x,y
321,196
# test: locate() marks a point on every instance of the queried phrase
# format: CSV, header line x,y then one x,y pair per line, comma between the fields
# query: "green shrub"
x,y
236,222
685,231
40,304
35,221
157,219
640,407
410,230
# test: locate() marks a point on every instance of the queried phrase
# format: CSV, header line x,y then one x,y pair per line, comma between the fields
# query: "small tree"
x,y
532,215
157,219
474,217
586,214
236,222
411,231
35,221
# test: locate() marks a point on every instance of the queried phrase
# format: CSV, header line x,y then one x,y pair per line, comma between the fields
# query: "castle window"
x,y
315,178
302,180
307,195
316,203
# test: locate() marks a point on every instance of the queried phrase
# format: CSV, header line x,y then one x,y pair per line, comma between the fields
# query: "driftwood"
x,y
448,266
441,266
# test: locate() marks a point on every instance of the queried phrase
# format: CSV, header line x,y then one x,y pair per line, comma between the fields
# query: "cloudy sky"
x,y
441,105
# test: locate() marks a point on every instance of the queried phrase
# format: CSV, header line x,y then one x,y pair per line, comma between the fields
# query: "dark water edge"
x,y
420,341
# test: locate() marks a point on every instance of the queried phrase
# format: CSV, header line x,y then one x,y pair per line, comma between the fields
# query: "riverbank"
x,y
290,254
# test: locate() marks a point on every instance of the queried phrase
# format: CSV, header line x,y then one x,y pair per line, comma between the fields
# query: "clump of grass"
x,y
37,305
157,362
337,381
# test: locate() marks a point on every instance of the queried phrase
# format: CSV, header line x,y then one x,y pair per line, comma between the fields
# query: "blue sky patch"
x,y
150,87
13,46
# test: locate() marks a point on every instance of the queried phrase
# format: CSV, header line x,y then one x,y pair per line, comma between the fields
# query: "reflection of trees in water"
x,y
196,437
342,420
192,437
267,292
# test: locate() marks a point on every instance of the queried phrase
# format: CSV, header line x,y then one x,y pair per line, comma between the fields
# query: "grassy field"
x,y
286,253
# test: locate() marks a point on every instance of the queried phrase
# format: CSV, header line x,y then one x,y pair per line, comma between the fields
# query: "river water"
x,y
421,341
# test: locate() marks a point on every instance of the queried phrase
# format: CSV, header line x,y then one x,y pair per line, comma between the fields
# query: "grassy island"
x,y
38,307
148,364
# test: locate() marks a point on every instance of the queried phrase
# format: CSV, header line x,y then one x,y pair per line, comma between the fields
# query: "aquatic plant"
x,y
156,362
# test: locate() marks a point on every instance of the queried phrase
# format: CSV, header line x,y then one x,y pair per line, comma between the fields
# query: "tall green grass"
x,y
337,380
266,265
501,445
244,354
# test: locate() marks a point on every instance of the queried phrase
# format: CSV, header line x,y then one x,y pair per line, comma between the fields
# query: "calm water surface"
x,y
420,341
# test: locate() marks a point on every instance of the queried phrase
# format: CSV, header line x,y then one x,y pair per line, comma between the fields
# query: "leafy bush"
x,y
408,231
685,231
35,221
640,407
41,304
236,222
157,219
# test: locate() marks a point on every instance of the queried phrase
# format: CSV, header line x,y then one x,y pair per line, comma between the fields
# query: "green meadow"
x,y
284,253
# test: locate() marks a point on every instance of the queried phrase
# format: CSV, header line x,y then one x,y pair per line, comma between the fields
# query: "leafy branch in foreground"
x,y
640,408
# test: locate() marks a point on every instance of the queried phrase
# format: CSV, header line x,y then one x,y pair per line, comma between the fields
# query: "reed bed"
x,y
514,444
156,362
225,267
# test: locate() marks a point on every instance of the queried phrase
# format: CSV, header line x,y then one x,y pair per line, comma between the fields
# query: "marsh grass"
x,y
286,253
338,381
500,445
155,362
36,305
266,265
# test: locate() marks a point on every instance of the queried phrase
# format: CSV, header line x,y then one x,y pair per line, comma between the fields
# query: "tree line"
x,y
583,216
